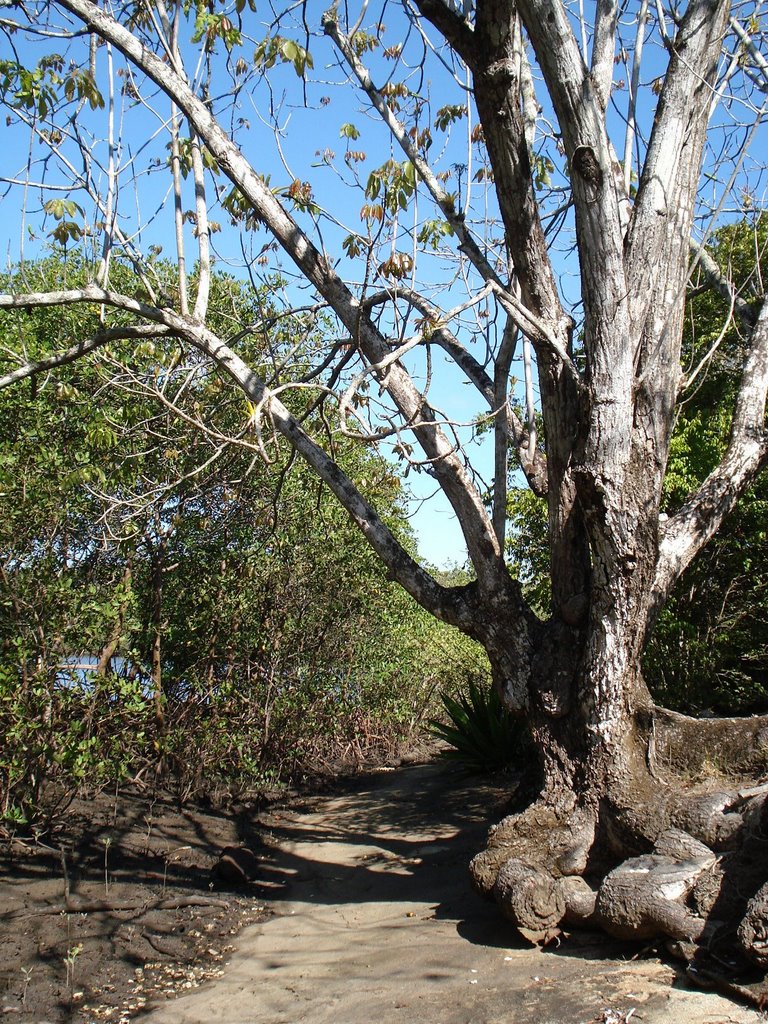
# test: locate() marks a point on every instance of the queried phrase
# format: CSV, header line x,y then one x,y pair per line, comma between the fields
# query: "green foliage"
x,y
184,146
543,169
446,115
210,27
709,650
433,232
230,623
482,734
395,181
276,48
39,90
240,210
58,738
527,546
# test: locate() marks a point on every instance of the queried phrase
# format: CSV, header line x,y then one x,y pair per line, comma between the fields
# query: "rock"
x,y
237,865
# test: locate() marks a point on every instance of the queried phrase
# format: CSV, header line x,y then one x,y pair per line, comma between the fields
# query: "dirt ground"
x,y
117,908
361,911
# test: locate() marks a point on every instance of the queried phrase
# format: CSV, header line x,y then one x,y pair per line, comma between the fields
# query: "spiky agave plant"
x,y
483,736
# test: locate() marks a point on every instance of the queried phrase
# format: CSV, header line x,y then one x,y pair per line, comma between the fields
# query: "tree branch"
x,y
454,28
603,48
686,533
718,281
634,87
533,464
82,348
598,190
532,325
449,604
663,194
476,525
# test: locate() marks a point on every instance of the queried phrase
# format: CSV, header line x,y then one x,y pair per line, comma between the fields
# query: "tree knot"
x,y
587,166
501,72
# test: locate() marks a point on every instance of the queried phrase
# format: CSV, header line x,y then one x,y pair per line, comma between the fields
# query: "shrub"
x,y
483,736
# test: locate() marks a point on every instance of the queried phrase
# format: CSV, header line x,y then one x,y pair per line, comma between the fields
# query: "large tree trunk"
x,y
617,837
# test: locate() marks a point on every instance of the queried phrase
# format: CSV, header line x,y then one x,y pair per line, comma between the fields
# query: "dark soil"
x,y
118,906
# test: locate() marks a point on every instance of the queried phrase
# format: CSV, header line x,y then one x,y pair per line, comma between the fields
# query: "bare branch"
x,y
178,211
634,86
760,61
202,232
82,348
501,429
532,460
455,29
717,280
316,268
598,191
603,48
532,325
665,195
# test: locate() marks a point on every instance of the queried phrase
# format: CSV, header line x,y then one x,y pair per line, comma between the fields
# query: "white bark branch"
x,y
634,86
532,460
178,212
82,348
757,57
598,189
686,533
445,603
501,431
715,277
603,48
533,326
448,468
662,191
203,233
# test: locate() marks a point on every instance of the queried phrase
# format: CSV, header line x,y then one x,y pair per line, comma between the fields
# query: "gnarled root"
x,y
680,889
644,897
531,899
753,930
539,838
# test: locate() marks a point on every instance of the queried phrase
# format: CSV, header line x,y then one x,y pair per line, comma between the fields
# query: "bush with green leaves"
x,y
232,625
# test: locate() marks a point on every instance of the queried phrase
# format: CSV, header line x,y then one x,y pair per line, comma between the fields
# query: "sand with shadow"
x,y
376,922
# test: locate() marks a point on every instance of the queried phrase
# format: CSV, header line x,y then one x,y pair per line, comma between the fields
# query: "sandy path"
x,y
378,924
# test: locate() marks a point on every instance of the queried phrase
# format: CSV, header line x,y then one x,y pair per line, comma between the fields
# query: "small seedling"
x,y
107,843
27,972
69,961
167,860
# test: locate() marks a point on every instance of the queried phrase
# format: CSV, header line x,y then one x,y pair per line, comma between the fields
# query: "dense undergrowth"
x,y
182,603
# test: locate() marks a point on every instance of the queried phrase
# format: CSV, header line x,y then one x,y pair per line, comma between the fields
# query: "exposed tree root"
x,y
532,900
700,879
539,837
71,906
644,897
753,930
690,745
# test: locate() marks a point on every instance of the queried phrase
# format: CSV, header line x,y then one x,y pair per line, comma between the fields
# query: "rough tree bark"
x,y
604,794
615,838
